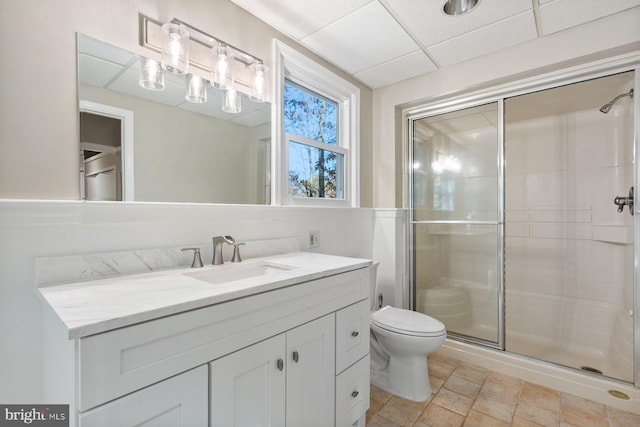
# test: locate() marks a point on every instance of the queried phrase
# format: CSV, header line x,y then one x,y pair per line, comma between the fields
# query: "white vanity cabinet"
x,y
219,364
285,380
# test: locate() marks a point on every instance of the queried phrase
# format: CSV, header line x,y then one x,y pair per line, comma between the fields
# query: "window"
x,y
317,159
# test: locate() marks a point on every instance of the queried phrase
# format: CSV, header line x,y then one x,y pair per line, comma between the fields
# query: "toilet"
x,y
400,342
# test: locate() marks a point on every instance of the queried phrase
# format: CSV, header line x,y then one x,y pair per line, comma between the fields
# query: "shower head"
x,y
605,108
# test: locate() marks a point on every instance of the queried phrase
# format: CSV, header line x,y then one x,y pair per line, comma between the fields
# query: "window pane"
x,y
308,114
314,172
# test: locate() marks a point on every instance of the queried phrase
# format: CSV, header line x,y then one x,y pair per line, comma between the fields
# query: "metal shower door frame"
x,y
443,105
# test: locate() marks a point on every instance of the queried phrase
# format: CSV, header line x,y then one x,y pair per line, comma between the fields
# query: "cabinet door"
x,y
177,401
311,373
247,388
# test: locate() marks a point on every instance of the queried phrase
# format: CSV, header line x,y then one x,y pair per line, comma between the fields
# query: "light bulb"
x,y
175,48
259,86
223,70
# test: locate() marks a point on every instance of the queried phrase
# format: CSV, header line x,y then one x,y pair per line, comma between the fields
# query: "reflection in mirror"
x,y
154,146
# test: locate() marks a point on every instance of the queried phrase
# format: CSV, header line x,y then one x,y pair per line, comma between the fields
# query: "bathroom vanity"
x,y
272,341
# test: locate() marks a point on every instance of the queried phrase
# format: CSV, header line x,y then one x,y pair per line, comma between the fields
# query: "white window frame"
x,y
294,66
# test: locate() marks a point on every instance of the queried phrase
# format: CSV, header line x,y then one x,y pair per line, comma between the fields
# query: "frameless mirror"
x,y
144,145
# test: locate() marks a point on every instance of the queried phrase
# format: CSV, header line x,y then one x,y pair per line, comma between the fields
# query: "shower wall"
x,y
568,251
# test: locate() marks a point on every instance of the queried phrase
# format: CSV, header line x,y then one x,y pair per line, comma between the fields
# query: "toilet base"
x,y
405,377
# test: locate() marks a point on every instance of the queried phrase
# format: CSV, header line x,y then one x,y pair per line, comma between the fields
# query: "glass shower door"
x,y
457,220
569,272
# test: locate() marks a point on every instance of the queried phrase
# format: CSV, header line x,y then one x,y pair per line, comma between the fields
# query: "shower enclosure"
x,y
522,219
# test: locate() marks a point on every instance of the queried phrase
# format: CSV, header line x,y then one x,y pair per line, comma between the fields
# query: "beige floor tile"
x,y
478,419
536,415
572,417
379,421
453,401
471,373
540,397
505,380
504,392
379,394
374,407
437,416
518,421
618,418
401,411
582,404
495,408
436,383
465,395
440,369
462,386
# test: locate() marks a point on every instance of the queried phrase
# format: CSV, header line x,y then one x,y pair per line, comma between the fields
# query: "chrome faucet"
x,y
217,248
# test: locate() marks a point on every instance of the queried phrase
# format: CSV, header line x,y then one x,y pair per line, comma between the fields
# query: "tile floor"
x,y
470,396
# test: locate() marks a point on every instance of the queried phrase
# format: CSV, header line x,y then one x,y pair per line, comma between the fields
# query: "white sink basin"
x,y
233,272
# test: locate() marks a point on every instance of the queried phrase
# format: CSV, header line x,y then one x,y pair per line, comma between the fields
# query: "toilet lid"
x,y
407,322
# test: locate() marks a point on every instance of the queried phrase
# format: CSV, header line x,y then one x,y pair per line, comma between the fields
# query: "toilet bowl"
x,y
400,342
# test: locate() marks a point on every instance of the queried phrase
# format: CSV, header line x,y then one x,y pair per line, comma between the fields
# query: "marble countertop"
x,y
95,306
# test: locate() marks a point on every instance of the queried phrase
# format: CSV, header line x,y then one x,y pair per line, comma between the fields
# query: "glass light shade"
x,y
175,48
231,102
151,75
223,76
260,84
196,89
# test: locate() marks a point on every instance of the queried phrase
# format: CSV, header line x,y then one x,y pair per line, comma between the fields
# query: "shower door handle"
x,y
621,201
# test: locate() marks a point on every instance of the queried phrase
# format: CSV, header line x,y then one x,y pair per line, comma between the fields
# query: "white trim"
x,y
290,63
126,118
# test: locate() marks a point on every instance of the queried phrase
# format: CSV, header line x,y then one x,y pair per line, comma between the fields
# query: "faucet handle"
x,y
236,252
197,259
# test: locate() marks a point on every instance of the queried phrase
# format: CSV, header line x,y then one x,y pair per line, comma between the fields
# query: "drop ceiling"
x,y
381,42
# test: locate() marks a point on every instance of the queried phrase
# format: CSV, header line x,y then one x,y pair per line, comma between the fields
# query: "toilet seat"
x,y
407,322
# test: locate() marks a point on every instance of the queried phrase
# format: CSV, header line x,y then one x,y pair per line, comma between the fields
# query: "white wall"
x,y
570,48
33,229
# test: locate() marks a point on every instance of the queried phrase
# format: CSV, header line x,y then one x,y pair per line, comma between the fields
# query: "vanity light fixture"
x,y
151,75
188,50
259,86
196,89
231,101
175,48
459,7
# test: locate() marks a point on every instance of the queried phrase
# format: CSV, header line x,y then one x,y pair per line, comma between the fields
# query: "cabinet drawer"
x,y
352,393
352,334
177,401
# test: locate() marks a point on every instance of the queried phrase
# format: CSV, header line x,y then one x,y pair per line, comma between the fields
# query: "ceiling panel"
x,y
559,15
299,18
427,21
405,67
365,38
494,37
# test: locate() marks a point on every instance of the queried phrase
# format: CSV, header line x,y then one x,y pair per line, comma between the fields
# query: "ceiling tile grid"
x,y
491,38
362,39
381,42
